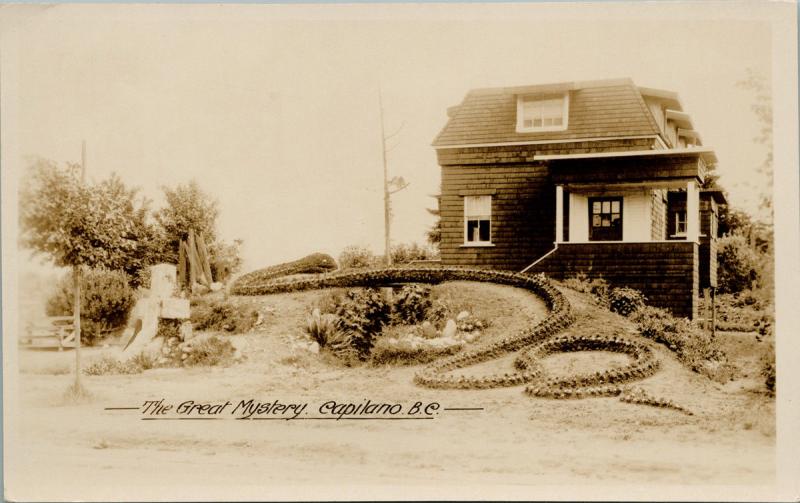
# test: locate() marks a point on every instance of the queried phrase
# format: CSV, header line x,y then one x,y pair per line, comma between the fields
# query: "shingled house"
x,y
602,178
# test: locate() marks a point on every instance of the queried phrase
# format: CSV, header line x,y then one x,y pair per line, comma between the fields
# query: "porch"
x,y
613,220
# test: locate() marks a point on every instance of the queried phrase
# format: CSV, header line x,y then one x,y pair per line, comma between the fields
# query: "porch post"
x,y
692,212
559,214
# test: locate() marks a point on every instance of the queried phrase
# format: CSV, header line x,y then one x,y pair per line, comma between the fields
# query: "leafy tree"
x,y
75,224
187,208
435,232
762,108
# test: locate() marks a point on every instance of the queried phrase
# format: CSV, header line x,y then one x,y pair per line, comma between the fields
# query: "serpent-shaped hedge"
x,y
538,338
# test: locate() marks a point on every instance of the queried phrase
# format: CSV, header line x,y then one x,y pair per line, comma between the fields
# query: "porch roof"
x,y
649,167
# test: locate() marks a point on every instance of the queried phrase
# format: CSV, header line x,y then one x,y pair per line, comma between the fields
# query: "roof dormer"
x,y
542,112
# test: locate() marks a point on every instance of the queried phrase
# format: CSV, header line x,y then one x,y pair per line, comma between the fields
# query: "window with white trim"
x,y
542,113
477,219
680,223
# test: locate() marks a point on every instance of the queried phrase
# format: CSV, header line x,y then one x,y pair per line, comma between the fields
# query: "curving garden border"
x,y
560,316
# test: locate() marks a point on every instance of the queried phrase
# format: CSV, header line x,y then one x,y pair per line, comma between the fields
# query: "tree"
x,y
75,224
435,232
762,108
187,208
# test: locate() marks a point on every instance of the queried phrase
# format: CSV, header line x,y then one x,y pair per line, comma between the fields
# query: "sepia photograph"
x,y
501,251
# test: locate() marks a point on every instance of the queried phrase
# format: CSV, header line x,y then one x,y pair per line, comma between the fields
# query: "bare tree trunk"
x,y
76,322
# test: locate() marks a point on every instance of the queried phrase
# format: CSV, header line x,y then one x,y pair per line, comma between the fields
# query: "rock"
x,y
259,319
449,329
428,330
463,315
216,286
314,347
186,331
162,280
174,309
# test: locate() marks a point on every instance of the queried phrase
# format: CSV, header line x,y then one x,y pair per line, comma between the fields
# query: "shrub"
x,y
737,264
410,350
106,300
212,350
322,327
597,287
412,304
357,257
407,253
108,365
222,315
625,301
363,314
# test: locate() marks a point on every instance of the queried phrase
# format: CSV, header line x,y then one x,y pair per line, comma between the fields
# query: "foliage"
x,y
762,108
222,315
226,259
737,264
322,327
106,300
357,257
411,304
362,314
209,351
597,287
75,223
768,370
108,365
407,253
187,208
314,263
411,350
434,234
625,301
693,346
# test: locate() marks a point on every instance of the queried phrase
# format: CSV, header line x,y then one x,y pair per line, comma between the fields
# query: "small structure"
x,y
160,303
599,178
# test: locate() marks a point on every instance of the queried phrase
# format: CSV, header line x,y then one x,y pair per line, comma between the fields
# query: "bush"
x,y
597,287
108,365
625,301
222,315
106,300
737,264
412,304
322,327
405,254
357,257
363,314
212,350
693,346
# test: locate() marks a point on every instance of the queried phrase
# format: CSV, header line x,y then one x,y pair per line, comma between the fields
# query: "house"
x,y
602,178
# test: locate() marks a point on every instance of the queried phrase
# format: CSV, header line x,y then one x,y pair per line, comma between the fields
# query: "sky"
x,y
274,109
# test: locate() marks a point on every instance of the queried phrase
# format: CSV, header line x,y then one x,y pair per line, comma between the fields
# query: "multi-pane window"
x,y
477,219
605,218
680,223
538,113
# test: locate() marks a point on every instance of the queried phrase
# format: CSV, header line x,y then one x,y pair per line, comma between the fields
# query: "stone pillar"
x,y
163,278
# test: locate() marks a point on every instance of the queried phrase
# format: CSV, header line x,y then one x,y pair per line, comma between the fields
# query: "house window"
x,y
605,219
477,219
542,113
680,223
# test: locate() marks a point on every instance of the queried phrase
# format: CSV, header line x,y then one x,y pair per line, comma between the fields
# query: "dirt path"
x,y
517,442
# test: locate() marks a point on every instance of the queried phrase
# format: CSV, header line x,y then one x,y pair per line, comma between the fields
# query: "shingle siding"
x,y
490,116
666,273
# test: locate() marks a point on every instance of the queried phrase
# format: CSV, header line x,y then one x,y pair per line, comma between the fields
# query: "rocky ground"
x,y
514,445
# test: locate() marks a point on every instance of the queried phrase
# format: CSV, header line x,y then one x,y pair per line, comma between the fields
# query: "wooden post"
x,y
559,214
713,312
76,323
386,204
692,212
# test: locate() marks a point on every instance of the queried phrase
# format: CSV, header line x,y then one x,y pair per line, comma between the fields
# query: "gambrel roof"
x,y
597,109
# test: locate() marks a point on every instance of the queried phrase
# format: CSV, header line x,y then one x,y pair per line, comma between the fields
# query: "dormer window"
x,y
542,113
